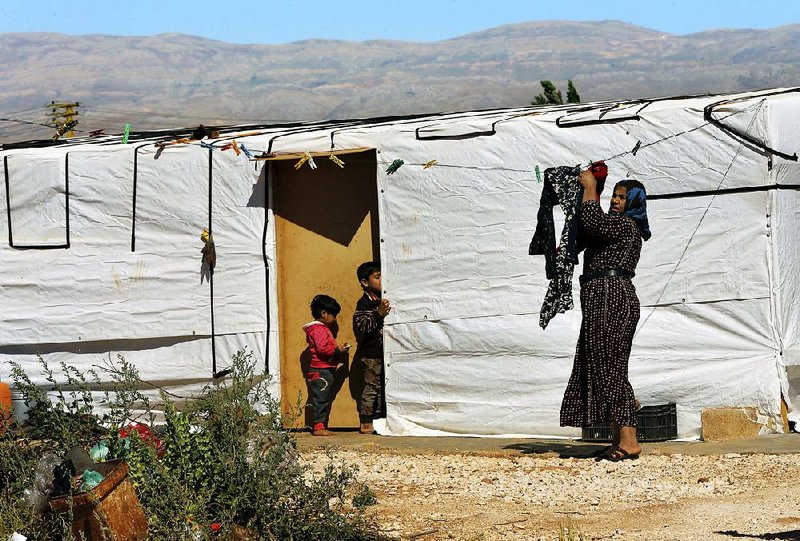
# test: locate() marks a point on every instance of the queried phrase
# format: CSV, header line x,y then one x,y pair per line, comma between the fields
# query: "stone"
x,y
725,424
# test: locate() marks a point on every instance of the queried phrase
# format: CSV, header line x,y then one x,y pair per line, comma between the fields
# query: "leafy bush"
x,y
221,458
66,421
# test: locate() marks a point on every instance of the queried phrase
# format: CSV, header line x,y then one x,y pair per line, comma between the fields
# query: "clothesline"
x,y
634,151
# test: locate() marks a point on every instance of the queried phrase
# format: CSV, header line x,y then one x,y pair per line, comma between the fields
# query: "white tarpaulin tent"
x,y
103,255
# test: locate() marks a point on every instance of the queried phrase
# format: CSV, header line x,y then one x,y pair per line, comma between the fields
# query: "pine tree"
x,y
552,96
572,93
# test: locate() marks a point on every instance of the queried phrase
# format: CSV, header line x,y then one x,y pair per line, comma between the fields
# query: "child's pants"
x,y
372,396
321,386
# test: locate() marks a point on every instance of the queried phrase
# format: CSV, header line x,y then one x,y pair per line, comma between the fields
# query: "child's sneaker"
x,y
366,428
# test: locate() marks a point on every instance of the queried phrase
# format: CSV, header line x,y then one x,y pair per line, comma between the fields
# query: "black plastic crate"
x,y
656,423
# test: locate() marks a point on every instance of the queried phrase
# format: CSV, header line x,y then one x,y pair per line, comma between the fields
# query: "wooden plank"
x,y
314,154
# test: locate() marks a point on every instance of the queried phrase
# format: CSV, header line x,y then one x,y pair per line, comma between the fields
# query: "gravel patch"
x,y
469,497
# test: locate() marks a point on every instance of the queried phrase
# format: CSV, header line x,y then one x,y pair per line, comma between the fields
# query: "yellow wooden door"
x,y
326,224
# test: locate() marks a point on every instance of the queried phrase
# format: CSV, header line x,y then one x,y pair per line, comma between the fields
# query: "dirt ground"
x,y
527,491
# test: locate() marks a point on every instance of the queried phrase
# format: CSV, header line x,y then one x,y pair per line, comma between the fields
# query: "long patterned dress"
x,y
598,388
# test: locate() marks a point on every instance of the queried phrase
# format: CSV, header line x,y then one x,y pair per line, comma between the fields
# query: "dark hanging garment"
x,y
544,238
561,187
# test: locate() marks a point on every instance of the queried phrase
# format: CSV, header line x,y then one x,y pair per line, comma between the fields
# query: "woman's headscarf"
x,y
636,205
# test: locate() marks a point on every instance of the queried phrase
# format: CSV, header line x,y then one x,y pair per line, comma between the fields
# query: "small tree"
x,y
572,93
551,95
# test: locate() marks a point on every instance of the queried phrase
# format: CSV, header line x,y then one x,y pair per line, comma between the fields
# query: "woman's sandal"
x,y
618,455
601,452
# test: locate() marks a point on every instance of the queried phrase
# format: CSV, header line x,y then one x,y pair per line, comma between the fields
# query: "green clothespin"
x,y
538,174
126,134
397,164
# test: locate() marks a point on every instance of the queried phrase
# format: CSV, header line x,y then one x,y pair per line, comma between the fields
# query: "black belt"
x,y
605,272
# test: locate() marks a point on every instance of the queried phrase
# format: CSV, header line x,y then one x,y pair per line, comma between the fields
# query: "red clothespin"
x,y
97,133
232,145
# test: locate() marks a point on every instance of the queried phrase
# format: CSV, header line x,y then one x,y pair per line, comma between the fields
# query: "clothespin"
x,y
336,160
97,133
207,145
162,144
538,173
395,165
126,133
305,158
636,148
64,128
209,250
428,165
231,145
246,151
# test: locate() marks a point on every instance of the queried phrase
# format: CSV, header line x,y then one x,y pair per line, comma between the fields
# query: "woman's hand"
x,y
589,183
587,180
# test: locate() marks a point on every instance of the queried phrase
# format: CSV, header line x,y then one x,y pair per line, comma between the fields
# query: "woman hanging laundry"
x,y
598,389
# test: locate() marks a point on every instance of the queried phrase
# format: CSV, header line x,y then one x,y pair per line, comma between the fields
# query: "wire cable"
x,y
700,222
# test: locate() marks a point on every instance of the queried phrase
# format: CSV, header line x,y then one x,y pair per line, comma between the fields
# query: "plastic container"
x,y
655,423
111,508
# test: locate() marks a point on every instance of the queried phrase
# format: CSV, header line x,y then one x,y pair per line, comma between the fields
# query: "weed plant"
x,y
223,458
570,532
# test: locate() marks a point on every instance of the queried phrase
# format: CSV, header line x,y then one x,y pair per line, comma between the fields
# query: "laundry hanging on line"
x,y
561,187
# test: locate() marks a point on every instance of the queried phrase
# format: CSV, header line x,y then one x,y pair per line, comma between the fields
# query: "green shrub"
x,y
224,458
69,419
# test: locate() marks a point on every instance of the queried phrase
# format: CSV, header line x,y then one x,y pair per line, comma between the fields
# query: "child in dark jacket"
x,y
368,328
325,357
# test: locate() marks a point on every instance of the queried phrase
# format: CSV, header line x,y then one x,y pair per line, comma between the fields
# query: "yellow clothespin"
x,y
305,158
336,160
209,251
428,165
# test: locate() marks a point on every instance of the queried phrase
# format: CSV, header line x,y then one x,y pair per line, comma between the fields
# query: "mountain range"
x,y
174,80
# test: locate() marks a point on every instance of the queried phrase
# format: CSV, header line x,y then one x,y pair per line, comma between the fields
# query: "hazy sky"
x,y
281,21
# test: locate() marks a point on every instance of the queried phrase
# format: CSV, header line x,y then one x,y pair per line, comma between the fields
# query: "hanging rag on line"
x,y
561,187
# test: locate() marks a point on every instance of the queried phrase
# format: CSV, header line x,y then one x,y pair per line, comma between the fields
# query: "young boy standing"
x,y
368,328
324,360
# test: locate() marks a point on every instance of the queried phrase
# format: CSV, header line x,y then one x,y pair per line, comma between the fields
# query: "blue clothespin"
x,y
246,151
207,145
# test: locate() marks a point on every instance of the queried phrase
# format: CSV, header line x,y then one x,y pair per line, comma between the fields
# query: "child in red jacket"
x,y
325,357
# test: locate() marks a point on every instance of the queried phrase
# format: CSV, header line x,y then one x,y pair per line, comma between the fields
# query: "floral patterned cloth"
x,y
561,187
